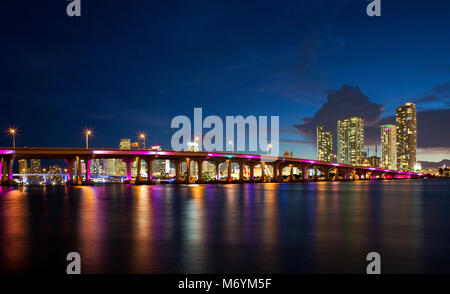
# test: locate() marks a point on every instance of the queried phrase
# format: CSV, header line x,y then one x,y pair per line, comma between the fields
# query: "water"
x,y
326,227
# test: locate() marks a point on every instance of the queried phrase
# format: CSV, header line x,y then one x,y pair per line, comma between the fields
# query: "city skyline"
x,y
405,118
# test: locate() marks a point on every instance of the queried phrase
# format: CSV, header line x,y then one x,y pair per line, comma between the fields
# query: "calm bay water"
x,y
236,228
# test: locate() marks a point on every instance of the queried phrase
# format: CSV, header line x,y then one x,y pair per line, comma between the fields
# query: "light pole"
x,y
87,133
142,137
13,133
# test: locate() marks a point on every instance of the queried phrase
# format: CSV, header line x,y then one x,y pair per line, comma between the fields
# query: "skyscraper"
x,y
35,166
23,166
324,145
406,136
351,141
125,144
110,166
97,167
389,147
56,169
121,167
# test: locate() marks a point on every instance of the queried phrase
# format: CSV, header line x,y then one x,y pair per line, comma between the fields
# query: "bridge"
x,y
320,170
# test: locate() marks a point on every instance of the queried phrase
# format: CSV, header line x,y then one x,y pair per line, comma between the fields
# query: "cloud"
x,y
350,101
428,98
439,93
347,102
443,90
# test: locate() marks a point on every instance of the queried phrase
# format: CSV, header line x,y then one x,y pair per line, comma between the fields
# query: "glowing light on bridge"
x,y
7,152
111,152
88,132
12,132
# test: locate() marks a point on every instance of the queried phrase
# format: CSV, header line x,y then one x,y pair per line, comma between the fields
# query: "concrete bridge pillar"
x,y
10,169
263,171
200,169
316,176
6,170
217,165
280,172
188,170
70,163
252,172
229,179
241,170
304,172
336,174
177,170
1,169
87,162
128,163
275,167
149,161
138,169
79,178
291,172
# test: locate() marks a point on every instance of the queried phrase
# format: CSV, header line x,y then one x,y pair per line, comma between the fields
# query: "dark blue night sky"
x,y
125,66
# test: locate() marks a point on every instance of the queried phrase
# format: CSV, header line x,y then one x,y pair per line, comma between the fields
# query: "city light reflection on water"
x,y
324,227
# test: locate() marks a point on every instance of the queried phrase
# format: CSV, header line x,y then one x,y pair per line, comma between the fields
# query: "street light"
x,y
142,137
88,132
13,132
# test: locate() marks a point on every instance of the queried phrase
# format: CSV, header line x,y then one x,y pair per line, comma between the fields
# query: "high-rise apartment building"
x,y
324,145
35,166
406,122
97,167
121,167
23,166
351,141
109,165
389,147
125,144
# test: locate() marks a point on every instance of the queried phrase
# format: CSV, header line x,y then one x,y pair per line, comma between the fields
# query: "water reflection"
x,y
279,228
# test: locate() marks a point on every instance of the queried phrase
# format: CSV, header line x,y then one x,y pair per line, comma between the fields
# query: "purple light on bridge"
x,y
7,151
215,155
107,152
